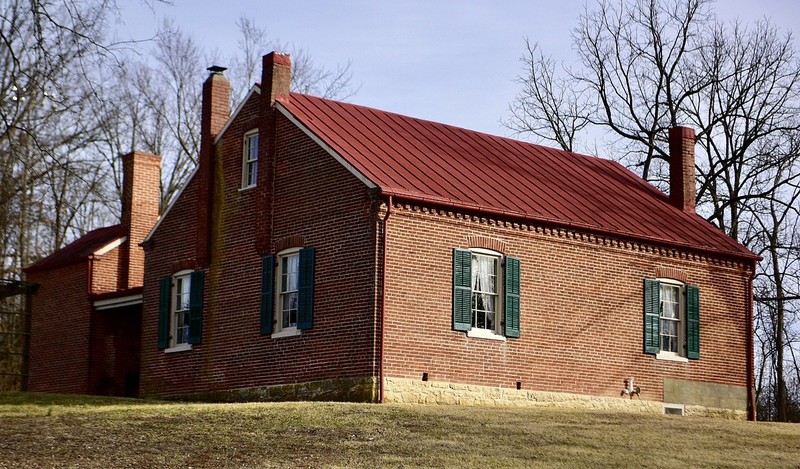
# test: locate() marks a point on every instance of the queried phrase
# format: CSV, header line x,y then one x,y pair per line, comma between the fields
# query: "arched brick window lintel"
x,y
486,242
673,273
184,264
294,241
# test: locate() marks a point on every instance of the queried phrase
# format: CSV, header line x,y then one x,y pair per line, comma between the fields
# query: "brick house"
x,y
324,250
86,314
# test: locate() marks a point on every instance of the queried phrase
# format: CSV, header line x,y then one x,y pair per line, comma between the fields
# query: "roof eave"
x,y
459,205
56,265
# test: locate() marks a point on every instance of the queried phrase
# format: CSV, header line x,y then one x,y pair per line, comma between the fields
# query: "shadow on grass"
x,y
42,399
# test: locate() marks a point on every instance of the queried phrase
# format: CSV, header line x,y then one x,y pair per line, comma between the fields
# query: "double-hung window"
x,y
250,160
485,288
287,292
180,319
671,320
486,292
179,329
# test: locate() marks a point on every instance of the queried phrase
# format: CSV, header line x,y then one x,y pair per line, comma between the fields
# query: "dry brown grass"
x,y
40,430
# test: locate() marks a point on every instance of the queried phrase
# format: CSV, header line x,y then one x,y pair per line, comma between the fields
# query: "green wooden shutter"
x,y
462,290
267,294
163,312
512,297
196,307
652,316
692,322
305,290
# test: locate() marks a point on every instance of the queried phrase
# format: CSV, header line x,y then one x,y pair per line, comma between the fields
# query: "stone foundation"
x,y
342,390
403,390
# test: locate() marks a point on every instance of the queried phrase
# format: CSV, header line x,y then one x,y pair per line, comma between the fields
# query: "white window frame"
x,y
680,355
281,331
183,277
250,160
497,332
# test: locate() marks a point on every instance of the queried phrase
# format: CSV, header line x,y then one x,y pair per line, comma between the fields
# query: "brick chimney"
x,y
682,188
276,76
215,112
276,79
141,183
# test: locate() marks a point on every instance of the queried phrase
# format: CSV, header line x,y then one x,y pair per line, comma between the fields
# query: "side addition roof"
x,y
80,249
414,159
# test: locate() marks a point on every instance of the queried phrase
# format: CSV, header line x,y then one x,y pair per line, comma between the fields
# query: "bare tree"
x,y
645,66
154,105
47,50
548,107
307,77
777,219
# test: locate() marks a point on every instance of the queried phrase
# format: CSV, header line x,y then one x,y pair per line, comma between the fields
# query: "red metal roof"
x,y
80,249
414,159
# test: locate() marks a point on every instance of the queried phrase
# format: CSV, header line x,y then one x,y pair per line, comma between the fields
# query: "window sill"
x,y
484,334
247,188
671,357
179,348
290,332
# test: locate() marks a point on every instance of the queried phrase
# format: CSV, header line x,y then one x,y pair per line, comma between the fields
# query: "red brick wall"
x,y
60,328
314,199
106,271
581,311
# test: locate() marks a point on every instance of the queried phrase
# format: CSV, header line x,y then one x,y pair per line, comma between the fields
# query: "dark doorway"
x,y
116,351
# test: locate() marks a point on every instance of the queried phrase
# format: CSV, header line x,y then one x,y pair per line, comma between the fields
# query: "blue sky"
x,y
451,62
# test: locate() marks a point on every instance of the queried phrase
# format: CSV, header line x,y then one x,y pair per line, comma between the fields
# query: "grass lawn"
x,y
44,430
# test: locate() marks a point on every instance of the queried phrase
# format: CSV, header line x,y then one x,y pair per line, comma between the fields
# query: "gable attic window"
x,y
250,160
287,292
180,320
486,292
671,320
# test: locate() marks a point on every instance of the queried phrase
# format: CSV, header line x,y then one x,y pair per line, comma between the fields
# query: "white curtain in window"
x,y
292,268
483,287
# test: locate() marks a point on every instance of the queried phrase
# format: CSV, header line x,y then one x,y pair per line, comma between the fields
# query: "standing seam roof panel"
x,y
416,158
340,138
438,148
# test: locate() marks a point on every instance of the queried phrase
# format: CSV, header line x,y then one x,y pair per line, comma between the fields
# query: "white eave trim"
x,y
324,146
255,89
118,302
112,245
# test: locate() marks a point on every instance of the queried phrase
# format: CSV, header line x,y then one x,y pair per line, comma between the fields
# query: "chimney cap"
x,y
216,69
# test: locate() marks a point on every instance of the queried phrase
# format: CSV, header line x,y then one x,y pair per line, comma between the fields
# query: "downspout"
x,y
751,404
383,293
89,275
90,367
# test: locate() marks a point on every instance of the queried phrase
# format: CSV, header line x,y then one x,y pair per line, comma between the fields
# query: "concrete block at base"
x,y
701,394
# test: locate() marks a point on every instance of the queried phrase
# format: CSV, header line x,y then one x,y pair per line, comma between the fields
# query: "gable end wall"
x,y
316,201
